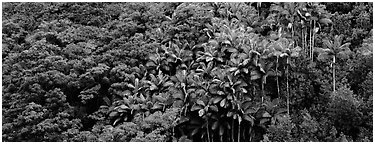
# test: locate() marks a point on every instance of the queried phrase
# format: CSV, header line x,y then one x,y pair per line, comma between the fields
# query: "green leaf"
x,y
243,90
325,21
126,101
150,64
250,110
135,107
271,73
227,42
229,114
245,62
246,105
295,52
196,107
232,50
124,107
323,56
200,102
266,115
223,102
343,54
263,120
232,69
201,112
107,101
328,43
345,46
130,85
281,110
116,121
127,93
168,84
178,95
236,73
178,103
157,106
114,114
159,98
221,131
195,131
214,108
254,75
276,53
248,118
153,87
217,99
215,125
284,55
143,99
239,119
220,92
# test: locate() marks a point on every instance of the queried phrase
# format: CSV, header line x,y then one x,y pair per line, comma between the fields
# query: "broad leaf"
x,y
215,125
201,112
196,107
114,114
157,106
328,43
251,110
254,75
266,115
223,102
325,21
214,108
263,120
249,119
200,102
216,100
221,131
178,95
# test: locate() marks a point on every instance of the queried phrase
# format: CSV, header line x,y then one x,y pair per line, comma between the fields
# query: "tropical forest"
x,y
187,72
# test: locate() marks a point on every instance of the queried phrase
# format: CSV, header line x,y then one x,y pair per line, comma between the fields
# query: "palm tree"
x,y
334,49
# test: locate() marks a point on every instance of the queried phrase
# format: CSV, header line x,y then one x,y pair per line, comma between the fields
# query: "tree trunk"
x,y
313,36
333,73
208,133
310,44
239,131
277,78
303,41
287,85
305,38
263,94
232,130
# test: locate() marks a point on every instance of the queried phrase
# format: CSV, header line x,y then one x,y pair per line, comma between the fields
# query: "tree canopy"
x,y
212,71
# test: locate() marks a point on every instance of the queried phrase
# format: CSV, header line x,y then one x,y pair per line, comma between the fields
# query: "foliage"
x,y
228,72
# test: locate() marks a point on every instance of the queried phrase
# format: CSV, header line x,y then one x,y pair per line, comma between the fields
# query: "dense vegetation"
x,y
187,72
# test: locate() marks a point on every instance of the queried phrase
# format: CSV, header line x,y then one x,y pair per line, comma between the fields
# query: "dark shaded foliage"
x,y
228,72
